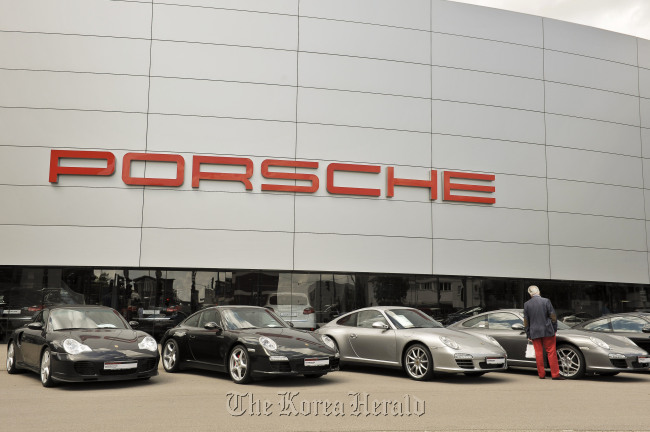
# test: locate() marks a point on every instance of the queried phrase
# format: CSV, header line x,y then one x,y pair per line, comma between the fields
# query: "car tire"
x,y
239,365
313,375
11,359
571,362
46,369
418,362
171,357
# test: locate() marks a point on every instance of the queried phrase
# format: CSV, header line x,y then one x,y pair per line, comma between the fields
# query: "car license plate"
x,y
288,314
12,312
317,362
644,359
495,360
119,365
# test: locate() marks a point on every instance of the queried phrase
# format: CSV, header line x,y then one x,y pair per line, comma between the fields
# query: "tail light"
x,y
309,310
35,308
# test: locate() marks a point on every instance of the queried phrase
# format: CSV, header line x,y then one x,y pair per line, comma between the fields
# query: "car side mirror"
x,y
517,326
379,325
134,324
212,326
646,328
35,326
291,324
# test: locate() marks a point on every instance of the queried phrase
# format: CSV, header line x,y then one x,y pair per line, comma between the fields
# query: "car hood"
x,y
614,341
103,338
290,339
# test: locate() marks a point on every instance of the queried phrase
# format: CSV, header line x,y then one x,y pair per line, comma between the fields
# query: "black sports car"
x,y
633,325
246,342
82,343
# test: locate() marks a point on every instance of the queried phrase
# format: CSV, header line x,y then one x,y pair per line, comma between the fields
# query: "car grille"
x,y
465,364
484,365
637,365
145,365
281,366
619,363
88,368
84,368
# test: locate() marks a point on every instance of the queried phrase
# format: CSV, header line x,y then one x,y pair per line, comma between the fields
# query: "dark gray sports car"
x,y
246,342
578,352
82,343
633,325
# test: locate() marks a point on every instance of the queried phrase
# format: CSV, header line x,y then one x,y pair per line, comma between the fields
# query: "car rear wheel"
x,y
571,362
46,369
171,356
418,362
11,359
239,365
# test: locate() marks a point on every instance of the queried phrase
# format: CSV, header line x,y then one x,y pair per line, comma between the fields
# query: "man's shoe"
x,y
559,377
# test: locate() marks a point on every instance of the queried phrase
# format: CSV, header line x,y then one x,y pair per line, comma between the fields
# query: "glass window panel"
x,y
368,317
627,324
502,321
600,325
479,321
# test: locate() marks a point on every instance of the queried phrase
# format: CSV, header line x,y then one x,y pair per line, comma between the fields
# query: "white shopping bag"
x,y
530,350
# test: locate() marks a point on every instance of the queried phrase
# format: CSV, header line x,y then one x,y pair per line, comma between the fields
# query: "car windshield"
x,y
248,318
64,319
411,318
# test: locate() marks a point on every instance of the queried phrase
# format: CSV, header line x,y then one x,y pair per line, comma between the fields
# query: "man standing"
x,y
540,324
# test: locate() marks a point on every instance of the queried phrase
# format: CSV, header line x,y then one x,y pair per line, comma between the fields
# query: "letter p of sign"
x,y
56,169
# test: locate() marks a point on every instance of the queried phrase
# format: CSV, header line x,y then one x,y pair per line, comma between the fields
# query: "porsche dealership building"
x,y
160,156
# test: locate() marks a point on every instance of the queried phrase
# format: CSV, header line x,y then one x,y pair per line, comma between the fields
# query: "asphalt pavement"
x,y
354,399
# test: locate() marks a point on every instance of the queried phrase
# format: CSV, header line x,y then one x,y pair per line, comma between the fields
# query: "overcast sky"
x,y
623,16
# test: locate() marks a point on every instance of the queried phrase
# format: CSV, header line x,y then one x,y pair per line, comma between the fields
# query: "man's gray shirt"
x,y
539,318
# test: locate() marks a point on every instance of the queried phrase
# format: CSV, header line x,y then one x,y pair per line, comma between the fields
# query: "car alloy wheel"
x,y
418,362
46,369
239,365
11,359
170,356
571,362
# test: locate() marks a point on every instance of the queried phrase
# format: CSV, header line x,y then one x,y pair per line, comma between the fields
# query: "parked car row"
x,y
95,343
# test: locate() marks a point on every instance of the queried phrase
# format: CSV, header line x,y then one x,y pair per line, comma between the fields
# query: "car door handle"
x,y
353,336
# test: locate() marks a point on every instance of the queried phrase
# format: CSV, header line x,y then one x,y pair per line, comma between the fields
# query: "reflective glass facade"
x,y
160,298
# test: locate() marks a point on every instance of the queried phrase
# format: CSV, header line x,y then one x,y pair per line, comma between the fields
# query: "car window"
x,y
477,322
349,320
502,321
368,317
599,325
193,321
627,324
209,315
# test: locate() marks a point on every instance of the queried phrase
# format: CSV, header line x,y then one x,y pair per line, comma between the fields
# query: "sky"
x,y
623,16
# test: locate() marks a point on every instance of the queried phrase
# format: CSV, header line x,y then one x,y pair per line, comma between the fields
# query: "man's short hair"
x,y
533,290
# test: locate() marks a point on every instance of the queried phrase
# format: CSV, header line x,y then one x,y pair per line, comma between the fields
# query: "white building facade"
x,y
347,100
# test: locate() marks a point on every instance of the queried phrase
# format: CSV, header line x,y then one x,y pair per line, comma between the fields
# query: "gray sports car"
x,y
578,352
402,337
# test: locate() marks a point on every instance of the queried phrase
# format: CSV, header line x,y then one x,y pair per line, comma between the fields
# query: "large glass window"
x,y
627,324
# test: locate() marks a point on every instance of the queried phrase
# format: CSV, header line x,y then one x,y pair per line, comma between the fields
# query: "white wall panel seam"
x,y
645,212
218,8
73,34
597,248
295,148
146,139
590,57
485,39
548,222
431,108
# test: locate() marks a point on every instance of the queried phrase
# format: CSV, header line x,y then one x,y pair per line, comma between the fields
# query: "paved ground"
x,y
202,401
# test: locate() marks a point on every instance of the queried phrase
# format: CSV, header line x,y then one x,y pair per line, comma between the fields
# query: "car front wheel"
x,y
571,362
11,359
46,369
171,356
418,362
239,365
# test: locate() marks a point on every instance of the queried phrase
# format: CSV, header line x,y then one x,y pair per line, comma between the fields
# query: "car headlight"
x,y
268,343
328,341
599,342
449,342
72,346
491,339
148,343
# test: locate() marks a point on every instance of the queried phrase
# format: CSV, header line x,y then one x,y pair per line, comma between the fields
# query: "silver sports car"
x,y
407,338
579,352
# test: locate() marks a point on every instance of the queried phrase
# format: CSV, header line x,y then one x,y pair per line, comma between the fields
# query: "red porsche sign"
x,y
311,182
